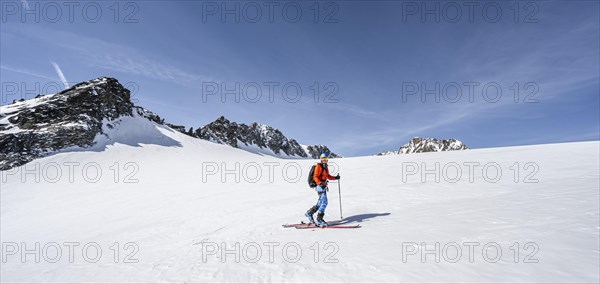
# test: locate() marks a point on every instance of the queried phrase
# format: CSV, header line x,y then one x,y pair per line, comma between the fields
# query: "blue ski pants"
x,y
322,202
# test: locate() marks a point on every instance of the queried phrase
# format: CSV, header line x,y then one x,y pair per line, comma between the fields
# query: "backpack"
x,y
311,174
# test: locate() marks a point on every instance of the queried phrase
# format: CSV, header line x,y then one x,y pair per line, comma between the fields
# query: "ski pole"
x,y
340,195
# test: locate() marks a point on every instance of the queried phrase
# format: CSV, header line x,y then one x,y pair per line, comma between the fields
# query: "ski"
x,y
302,223
312,226
332,225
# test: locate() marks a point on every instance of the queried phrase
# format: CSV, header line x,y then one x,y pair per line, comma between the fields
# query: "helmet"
x,y
324,157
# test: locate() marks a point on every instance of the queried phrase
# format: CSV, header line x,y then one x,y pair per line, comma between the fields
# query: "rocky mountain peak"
x,y
423,145
260,137
32,128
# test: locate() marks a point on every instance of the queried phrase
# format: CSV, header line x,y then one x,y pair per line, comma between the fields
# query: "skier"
x,y
321,176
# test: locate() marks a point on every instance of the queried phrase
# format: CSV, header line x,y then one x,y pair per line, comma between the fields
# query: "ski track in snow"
x,y
170,213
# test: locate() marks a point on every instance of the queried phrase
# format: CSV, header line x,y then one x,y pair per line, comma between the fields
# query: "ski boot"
x,y
309,214
320,222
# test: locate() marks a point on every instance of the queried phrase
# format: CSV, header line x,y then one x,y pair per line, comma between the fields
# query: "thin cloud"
x,y
356,110
116,57
26,72
60,74
148,68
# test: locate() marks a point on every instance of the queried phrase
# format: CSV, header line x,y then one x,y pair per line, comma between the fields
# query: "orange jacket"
x,y
321,174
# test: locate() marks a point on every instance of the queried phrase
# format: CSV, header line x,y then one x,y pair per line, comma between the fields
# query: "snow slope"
x,y
174,217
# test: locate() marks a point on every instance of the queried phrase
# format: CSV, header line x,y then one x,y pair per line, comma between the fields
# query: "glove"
x,y
323,185
338,176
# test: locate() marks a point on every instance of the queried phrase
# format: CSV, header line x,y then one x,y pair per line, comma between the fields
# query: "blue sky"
x,y
370,55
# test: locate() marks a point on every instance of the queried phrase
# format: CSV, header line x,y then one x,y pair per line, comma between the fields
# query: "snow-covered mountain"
x,y
259,138
81,115
423,145
73,117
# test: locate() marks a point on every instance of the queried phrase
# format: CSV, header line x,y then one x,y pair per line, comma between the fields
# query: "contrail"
x,y
60,74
